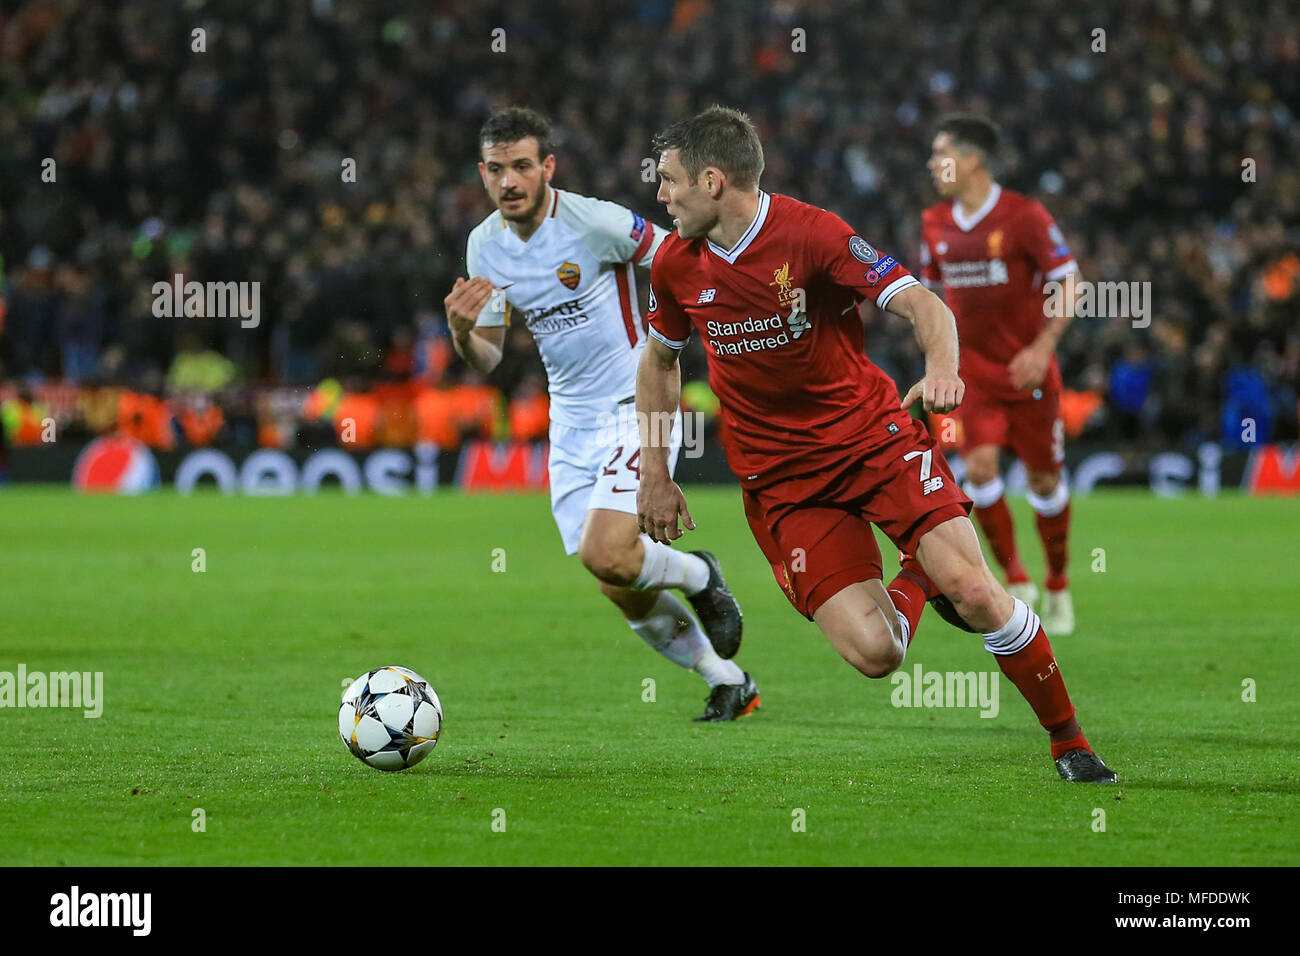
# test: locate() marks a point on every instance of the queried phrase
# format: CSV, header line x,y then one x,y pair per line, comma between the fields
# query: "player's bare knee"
x,y
608,563
972,590
871,666
981,466
596,559
883,666
1043,483
980,473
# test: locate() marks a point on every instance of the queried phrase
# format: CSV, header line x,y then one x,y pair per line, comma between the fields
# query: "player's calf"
x,y
977,597
614,551
956,566
661,620
1014,635
912,588
637,575
635,605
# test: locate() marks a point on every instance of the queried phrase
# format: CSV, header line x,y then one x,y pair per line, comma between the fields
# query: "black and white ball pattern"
x,y
390,718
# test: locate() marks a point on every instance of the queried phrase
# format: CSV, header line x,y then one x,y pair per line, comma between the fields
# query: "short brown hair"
x,y
721,137
514,123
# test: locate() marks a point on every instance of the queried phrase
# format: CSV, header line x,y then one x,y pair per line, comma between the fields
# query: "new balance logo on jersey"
x,y
706,296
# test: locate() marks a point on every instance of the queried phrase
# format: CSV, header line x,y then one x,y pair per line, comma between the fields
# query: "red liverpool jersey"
x,y
778,317
993,265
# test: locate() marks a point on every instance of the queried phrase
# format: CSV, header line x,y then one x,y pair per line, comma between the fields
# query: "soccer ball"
x,y
390,718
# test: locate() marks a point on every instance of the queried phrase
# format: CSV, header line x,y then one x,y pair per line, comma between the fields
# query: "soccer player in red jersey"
x,y
993,250
814,430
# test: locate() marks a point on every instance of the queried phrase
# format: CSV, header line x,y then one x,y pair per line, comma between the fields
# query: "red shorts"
x,y
815,529
1031,427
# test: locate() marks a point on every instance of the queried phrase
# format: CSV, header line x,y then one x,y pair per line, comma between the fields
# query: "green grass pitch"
x,y
221,690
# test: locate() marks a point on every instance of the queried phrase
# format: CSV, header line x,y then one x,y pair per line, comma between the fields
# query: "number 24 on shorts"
x,y
630,464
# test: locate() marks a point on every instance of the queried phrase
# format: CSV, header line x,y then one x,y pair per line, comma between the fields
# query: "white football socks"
x,y
985,495
1015,635
1052,504
666,567
671,630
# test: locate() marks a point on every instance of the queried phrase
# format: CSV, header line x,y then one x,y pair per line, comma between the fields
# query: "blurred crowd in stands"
x,y
1164,145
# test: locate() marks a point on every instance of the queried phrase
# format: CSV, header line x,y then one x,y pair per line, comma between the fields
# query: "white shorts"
x,y
598,468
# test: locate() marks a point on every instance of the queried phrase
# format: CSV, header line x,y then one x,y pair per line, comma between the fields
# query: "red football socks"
x,y
908,592
995,520
1054,530
1034,671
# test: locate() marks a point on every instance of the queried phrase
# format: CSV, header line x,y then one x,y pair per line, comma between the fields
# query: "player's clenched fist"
x,y
938,393
659,503
465,302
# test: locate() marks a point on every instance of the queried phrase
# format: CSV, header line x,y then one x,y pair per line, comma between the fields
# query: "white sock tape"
x,y
1054,503
654,566
986,494
1021,628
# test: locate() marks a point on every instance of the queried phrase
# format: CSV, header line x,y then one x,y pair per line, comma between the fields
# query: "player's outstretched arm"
x,y
659,501
941,390
480,347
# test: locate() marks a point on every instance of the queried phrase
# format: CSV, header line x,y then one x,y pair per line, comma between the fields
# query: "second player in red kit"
x,y
993,250
814,431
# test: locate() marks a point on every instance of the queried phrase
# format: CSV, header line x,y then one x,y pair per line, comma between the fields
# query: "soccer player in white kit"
x,y
564,265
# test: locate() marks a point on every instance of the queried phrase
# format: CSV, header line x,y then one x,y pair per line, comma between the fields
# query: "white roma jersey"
x,y
572,284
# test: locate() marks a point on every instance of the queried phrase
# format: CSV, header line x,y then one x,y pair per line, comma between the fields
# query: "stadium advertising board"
x,y
126,466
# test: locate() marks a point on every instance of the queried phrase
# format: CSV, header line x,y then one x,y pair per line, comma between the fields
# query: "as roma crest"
x,y
569,274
